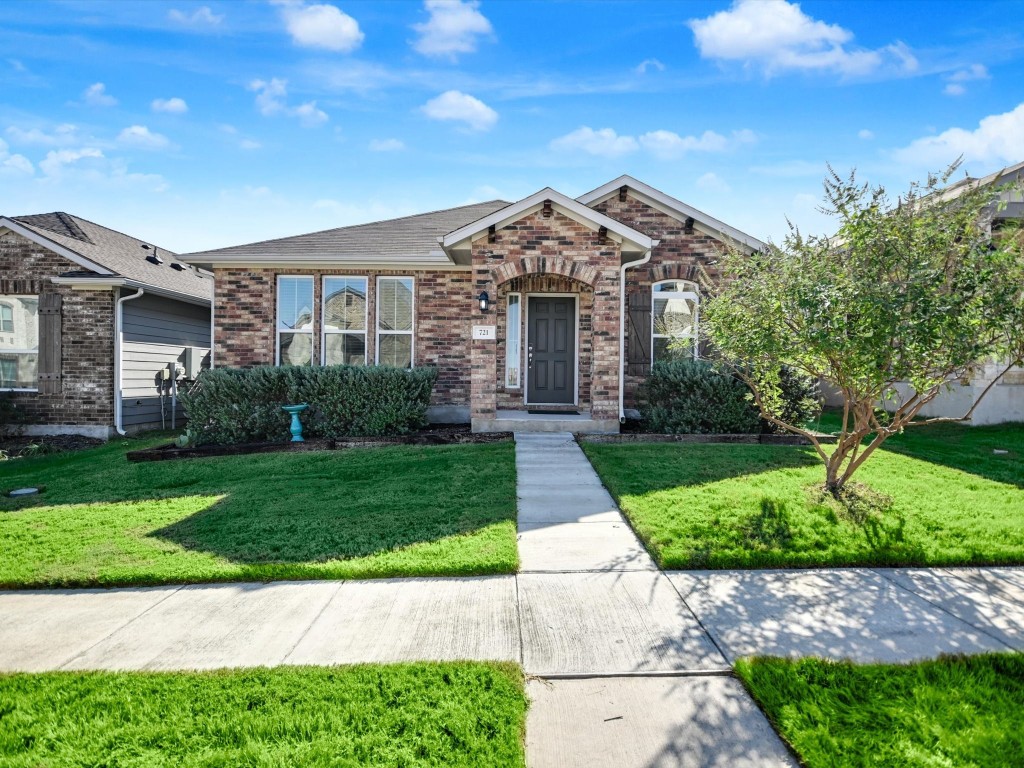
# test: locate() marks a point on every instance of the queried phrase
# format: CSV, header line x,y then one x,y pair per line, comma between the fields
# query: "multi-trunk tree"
x,y
907,297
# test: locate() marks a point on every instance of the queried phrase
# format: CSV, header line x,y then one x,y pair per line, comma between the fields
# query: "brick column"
x,y
483,398
604,393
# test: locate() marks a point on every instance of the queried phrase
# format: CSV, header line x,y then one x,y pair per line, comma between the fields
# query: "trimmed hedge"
x,y
231,405
692,397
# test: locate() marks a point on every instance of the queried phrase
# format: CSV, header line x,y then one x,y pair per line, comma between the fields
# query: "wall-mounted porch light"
x,y
485,301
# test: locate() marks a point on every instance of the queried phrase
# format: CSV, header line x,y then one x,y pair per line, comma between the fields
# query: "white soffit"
x,y
622,233
670,206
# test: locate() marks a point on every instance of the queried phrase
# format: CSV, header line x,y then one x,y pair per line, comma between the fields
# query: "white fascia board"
x,y
437,260
566,205
99,284
60,250
670,206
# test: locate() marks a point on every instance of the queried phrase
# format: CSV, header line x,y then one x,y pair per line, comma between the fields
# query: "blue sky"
x,y
205,124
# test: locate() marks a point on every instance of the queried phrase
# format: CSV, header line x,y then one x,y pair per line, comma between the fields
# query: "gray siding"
x,y
156,332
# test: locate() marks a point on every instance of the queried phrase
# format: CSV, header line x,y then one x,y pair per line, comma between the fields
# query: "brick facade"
x,y
87,334
566,254
679,256
245,306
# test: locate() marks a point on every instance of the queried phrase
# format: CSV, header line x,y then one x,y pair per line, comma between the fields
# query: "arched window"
x,y
675,318
6,318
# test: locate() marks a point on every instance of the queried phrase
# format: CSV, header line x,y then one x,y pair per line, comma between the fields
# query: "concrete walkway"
x,y
628,665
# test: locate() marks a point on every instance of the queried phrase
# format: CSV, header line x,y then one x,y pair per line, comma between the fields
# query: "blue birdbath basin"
x,y
296,428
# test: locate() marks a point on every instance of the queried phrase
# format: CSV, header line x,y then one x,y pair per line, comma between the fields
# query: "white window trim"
x,y
19,351
3,305
323,308
277,310
376,321
519,330
576,347
689,295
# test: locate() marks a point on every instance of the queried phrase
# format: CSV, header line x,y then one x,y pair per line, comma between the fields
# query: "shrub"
x,y
693,397
9,415
230,405
800,398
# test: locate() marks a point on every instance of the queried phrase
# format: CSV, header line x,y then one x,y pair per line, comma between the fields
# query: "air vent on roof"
x,y
177,266
153,258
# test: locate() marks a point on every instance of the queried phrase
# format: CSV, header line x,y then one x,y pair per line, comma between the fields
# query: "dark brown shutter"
x,y
638,334
49,343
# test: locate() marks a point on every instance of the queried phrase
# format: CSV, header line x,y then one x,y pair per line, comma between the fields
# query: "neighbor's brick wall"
x,y
87,337
678,256
246,301
554,246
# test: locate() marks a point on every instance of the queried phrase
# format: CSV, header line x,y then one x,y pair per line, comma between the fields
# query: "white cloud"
x,y
604,142
96,96
63,135
14,165
56,161
141,137
711,182
249,144
271,99
667,145
386,145
321,26
174,106
777,36
955,82
461,107
454,27
643,66
997,139
865,134
200,17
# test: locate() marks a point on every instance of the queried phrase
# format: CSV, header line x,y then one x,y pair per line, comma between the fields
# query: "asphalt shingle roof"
x,y
407,237
120,253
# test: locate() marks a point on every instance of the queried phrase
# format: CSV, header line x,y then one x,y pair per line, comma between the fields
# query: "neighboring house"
x,y
549,303
90,321
1005,400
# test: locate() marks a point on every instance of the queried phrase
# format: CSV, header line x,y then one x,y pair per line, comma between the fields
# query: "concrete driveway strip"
x,y
851,614
214,626
989,599
697,722
609,623
415,620
44,629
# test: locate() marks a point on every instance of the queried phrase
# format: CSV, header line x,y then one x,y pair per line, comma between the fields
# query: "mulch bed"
x,y
15,446
436,434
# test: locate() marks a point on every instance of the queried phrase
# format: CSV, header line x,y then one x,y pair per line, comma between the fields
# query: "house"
x,y
91,323
548,304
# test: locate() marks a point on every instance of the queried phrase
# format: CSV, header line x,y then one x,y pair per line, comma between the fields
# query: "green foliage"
x,y
954,711
393,716
692,397
356,514
231,405
9,414
937,497
799,398
913,291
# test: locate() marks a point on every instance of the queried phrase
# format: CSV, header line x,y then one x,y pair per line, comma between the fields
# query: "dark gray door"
x,y
551,354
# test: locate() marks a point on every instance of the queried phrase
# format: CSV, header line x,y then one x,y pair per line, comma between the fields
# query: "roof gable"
x,y
671,207
632,240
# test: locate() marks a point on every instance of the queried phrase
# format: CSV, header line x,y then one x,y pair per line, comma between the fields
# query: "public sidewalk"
x,y
629,666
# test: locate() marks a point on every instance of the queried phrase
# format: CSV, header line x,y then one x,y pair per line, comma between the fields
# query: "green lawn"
x,y
953,712
453,714
753,506
374,512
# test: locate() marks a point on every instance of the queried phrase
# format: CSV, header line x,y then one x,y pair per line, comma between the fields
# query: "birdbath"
x,y
295,410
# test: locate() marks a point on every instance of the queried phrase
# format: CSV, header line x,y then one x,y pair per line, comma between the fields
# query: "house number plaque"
x,y
484,332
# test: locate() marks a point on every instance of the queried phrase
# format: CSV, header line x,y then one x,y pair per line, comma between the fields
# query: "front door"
x,y
551,350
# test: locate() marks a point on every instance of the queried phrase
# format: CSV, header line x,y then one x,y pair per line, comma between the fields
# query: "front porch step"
x,y
521,421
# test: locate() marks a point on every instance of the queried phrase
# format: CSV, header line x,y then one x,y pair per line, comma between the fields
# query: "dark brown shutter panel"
x,y
49,343
638,334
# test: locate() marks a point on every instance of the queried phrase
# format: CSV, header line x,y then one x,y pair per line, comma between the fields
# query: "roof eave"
x,y
104,282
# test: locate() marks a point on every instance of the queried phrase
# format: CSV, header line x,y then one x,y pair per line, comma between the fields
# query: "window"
x,y
513,346
344,321
395,310
674,320
294,320
19,342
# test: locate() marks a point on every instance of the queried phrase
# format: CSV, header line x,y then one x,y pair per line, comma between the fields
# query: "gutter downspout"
x,y
118,334
622,326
